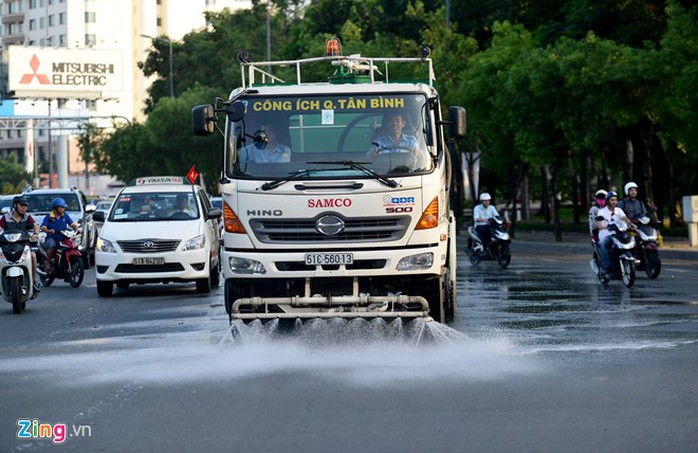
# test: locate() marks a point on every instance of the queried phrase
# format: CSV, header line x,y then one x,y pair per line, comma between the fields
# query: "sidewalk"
x,y
672,248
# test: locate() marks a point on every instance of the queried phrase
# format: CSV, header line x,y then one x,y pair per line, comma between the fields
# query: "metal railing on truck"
x,y
353,63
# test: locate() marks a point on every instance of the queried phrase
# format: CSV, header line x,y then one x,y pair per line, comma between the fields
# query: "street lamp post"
x,y
169,42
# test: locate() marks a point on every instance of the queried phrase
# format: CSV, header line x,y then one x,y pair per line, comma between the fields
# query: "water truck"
x,y
336,190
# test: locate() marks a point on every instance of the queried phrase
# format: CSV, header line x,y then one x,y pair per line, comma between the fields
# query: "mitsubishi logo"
x,y
148,244
27,78
329,225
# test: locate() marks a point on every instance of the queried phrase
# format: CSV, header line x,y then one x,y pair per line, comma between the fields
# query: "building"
x,y
124,25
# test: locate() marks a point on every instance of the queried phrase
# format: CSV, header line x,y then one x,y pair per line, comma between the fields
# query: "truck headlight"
x,y
105,246
245,266
416,262
195,243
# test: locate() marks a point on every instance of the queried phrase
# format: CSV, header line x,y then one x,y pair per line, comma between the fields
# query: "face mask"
x,y
601,202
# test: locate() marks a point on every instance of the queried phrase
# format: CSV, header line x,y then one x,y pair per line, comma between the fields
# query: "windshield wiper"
x,y
363,168
295,175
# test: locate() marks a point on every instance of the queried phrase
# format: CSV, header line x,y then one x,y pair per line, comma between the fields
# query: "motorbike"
x,y
498,248
621,257
67,262
646,250
16,275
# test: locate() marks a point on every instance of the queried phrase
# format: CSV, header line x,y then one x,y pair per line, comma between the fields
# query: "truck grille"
x,y
356,230
148,246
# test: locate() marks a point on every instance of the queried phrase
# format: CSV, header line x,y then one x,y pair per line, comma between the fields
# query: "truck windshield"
x,y
287,135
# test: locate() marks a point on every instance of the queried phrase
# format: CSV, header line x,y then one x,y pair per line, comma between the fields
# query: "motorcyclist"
x,y
19,220
611,214
599,203
631,205
53,224
482,214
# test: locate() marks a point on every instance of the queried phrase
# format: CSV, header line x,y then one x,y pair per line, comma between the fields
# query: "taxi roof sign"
x,y
149,180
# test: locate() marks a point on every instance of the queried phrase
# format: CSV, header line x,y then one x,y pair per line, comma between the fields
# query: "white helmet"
x,y
600,193
485,196
628,186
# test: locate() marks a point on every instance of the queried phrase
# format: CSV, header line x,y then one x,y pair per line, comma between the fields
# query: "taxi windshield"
x,y
315,136
154,206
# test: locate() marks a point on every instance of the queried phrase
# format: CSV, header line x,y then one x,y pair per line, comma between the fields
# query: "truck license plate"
x,y
315,259
149,260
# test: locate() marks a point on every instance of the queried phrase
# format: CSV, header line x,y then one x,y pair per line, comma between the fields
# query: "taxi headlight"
x,y
416,262
195,243
245,266
105,246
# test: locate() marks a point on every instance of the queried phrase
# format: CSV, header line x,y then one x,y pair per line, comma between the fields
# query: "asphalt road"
x,y
539,358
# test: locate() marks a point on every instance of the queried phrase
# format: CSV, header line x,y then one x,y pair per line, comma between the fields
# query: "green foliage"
x,y
14,178
545,83
89,139
164,144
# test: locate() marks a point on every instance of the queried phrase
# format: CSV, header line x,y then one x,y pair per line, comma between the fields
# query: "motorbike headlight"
x,y
195,243
105,246
416,262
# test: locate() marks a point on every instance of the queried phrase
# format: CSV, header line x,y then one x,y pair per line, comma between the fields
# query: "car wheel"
x,y
105,289
203,285
215,275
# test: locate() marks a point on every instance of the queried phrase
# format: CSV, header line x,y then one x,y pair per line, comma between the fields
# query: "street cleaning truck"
x,y
335,184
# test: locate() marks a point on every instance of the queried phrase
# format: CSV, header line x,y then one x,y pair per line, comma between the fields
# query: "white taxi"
x,y
158,230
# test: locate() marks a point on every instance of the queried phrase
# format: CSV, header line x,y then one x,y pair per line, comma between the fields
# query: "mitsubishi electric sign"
x,y
45,72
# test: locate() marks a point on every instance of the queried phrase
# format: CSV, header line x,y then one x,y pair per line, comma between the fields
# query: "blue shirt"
x,y
57,224
385,144
481,213
251,153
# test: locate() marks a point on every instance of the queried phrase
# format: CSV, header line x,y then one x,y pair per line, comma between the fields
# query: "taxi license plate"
x,y
315,259
148,260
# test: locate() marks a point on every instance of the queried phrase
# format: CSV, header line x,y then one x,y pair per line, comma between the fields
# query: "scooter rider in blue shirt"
x,y
52,225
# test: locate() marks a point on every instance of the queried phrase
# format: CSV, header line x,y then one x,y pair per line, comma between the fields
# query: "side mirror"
x,y
456,118
213,214
236,111
203,120
98,216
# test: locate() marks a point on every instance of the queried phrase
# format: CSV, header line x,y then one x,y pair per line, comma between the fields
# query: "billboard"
x,y
60,73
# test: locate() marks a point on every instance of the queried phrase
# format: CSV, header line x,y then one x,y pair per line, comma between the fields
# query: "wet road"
x,y
540,358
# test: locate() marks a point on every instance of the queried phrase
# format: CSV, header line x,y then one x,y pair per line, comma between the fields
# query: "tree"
x,y
88,140
14,178
164,144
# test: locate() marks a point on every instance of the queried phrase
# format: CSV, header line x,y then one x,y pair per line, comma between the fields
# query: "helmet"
x,y
611,194
485,196
19,200
600,193
58,202
628,186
